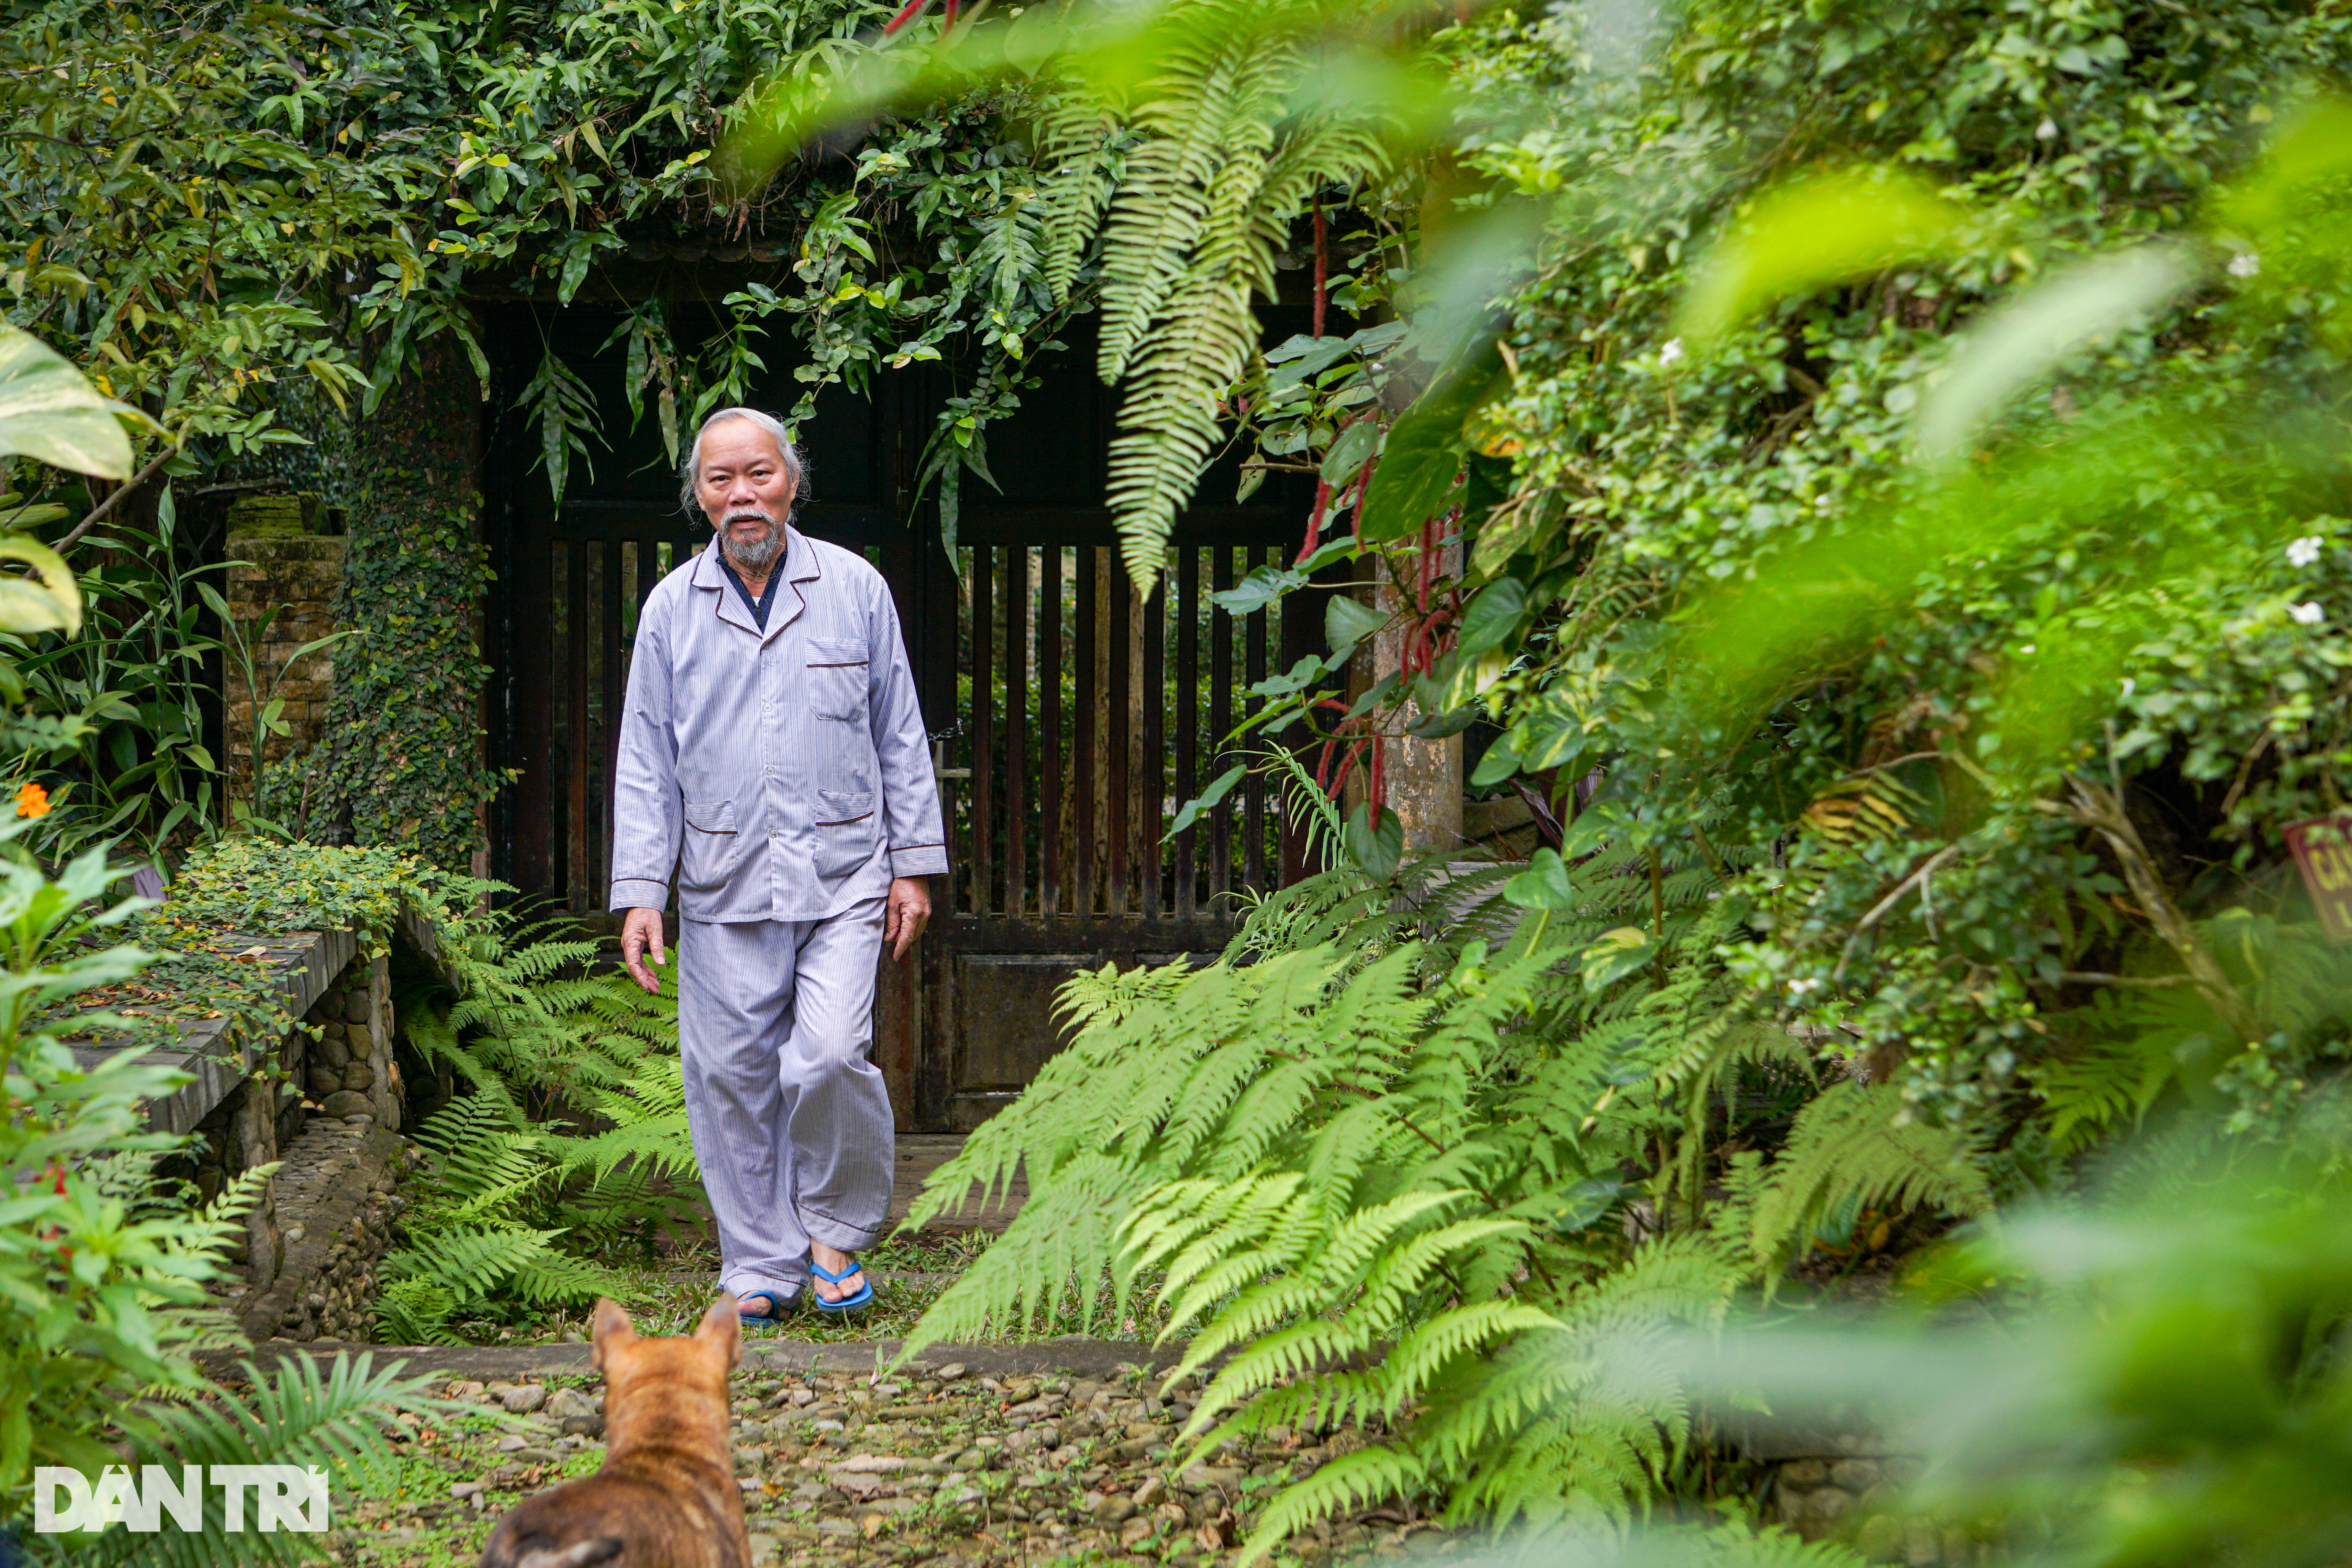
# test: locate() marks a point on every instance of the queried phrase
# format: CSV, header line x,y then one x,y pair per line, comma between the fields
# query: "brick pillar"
x,y
297,573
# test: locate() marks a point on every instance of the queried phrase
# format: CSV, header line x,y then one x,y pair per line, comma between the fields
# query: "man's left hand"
x,y
911,911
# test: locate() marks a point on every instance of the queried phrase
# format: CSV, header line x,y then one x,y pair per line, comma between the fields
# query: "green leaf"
x,y
1262,587
47,601
1615,955
1492,616
49,410
1376,850
1424,450
1350,451
1813,232
1501,760
2023,339
1438,725
1586,1201
1544,885
1346,623
1206,801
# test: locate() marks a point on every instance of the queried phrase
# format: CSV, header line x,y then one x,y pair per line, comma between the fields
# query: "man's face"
x,y
746,493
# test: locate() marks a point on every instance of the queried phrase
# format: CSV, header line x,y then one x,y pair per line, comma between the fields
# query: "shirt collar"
x,y
799,565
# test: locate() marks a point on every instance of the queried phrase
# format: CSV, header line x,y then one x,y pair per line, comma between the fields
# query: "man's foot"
x,y
769,1308
836,1279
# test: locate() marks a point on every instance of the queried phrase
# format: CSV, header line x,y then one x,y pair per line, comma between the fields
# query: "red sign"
x,y
2322,853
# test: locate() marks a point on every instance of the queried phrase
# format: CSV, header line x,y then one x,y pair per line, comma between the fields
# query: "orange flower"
x,y
32,801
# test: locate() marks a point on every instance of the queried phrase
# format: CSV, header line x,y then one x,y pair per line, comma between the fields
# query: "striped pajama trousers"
x,y
791,1124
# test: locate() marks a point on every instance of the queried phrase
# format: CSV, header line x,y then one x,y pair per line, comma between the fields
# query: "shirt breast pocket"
x,y
837,677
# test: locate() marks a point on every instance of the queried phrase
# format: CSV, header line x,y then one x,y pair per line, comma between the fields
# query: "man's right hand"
x,y
642,932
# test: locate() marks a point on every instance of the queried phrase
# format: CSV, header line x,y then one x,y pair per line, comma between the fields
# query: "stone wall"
x,y
348,1069
298,574
1847,1495
328,1108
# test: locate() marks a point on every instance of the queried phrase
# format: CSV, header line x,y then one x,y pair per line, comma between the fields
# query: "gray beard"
x,y
754,559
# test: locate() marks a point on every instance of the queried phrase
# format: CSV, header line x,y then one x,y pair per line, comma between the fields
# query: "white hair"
x,y
691,471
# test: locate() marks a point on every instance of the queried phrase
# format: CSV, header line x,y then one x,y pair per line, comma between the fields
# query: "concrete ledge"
x,y
305,965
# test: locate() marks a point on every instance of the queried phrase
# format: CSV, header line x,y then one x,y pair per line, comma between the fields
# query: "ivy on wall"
x,y
401,763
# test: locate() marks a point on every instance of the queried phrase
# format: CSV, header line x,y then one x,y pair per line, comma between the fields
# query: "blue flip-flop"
x,y
774,1314
847,1303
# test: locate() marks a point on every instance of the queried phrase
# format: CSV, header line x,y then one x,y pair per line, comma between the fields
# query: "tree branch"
x,y
1878,912
2100,809
110,502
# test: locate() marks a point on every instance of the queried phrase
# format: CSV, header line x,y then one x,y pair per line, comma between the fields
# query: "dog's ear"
x,y
721,1326
613,1329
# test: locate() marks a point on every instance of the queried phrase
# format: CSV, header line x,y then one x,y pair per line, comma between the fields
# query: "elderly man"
x,y
773,753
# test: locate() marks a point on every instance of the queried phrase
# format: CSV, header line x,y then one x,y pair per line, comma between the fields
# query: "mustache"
x,y
747,514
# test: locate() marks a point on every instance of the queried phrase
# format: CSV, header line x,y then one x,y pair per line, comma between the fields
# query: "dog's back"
x,y
666,1496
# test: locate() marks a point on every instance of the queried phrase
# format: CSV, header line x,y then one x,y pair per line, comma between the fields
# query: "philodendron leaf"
x,y
1615,955
50,411
1579,1204
1544,885
1424,452
1353,446
1810,233
2017,344
1492,616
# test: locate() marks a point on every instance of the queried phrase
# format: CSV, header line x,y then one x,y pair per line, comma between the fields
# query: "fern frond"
x,y
1860,1147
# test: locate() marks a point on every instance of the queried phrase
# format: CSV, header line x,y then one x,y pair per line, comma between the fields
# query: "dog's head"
x,y
673,1373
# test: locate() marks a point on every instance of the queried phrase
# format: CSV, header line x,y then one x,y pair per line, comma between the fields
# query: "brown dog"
x,y
666,1497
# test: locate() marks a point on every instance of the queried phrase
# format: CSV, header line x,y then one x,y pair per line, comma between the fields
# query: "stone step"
x,y
1075,1355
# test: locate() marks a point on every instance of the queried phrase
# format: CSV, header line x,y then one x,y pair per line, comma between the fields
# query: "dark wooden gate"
x,y
1069,720
1090,718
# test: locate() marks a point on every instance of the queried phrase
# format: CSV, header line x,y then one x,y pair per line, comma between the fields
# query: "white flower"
x,y
2306,551
2047,130
1804,987
2028,648
1671,352
2308,614
2245,264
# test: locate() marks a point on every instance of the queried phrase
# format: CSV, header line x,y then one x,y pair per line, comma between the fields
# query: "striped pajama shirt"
x,y
784,773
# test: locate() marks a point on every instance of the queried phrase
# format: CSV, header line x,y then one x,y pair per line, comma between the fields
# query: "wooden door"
x,y
1088,717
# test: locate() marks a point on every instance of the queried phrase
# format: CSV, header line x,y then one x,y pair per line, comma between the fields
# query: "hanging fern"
x,y
1221,166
